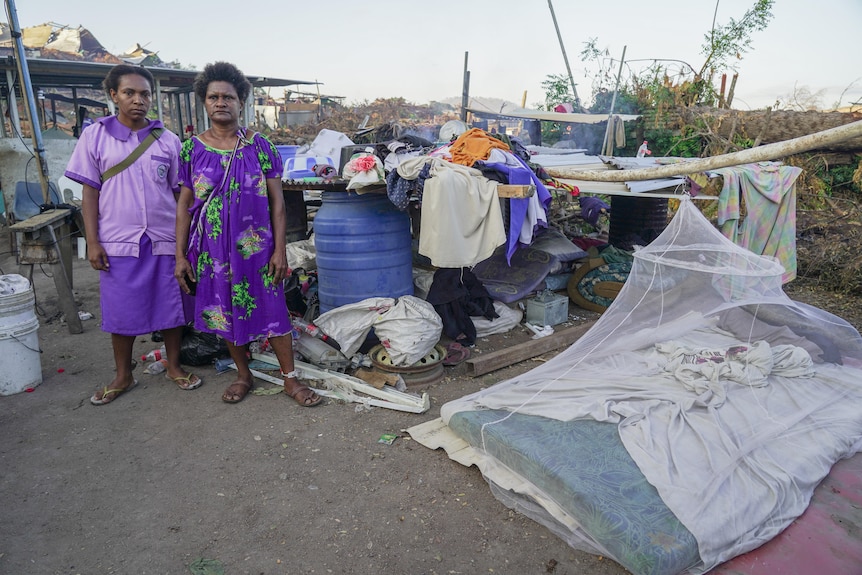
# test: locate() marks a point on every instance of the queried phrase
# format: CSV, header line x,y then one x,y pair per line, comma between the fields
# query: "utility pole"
x,y
27,92
577,102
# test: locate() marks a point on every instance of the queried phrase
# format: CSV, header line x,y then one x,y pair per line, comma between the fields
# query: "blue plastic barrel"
x,y
364,249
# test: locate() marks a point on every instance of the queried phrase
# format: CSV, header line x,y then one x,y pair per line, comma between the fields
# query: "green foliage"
x,y
725,43
625,103
664,142
731,40
839,179
663,85
668,83
552,132
558,90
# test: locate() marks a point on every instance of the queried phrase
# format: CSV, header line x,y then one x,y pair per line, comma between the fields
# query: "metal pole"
x,y
159,108
613,103
27,93
565,58
465,90
14,119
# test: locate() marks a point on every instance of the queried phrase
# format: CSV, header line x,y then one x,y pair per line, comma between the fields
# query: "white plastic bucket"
x,y
20,364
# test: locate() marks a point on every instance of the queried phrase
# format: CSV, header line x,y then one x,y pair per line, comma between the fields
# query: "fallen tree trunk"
x,y
759,154
772,126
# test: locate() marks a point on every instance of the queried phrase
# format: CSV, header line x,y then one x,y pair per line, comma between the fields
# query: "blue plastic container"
x,y
286,152
364,249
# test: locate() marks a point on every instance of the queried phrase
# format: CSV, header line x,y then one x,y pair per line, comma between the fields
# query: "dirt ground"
x,y
162,477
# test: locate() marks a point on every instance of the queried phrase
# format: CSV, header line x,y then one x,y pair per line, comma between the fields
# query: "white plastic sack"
x,y
409,330
11,284
408,327
364,170
509,318
422,280
302,254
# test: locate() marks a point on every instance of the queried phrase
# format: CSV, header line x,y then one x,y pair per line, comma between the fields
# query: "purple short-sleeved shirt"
x,y
140,198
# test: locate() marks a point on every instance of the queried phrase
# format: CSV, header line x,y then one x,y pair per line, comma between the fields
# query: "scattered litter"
x,y
321,354
261,365
360,360
344,387
85,315
155,355
387,438
539,331
266,390
223,365
377,378
157,367
203,566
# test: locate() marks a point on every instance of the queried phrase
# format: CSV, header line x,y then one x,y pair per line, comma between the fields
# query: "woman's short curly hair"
x,y
112,80
222,72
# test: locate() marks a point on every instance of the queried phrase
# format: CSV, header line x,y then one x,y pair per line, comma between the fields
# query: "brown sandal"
x,y
243,387
300,388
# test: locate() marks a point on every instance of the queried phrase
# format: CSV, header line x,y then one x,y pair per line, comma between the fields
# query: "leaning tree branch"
x,y
759,154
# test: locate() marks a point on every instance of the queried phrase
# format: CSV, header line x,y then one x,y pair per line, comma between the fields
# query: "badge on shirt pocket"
x,y
160,168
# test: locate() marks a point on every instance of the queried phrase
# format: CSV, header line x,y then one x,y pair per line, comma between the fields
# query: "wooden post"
x,y
608,144
732,88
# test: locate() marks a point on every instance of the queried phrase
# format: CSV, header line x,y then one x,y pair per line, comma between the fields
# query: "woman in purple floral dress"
x,y
231,233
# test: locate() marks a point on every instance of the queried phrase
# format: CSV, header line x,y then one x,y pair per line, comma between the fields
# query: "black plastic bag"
x,y
293,292
200,348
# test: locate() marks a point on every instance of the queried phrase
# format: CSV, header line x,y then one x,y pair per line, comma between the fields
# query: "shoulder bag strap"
x,y
136,153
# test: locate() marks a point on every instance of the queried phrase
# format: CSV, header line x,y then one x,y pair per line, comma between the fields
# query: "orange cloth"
x,y
474,144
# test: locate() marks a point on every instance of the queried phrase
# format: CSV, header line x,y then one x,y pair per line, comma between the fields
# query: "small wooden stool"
x,y
46,239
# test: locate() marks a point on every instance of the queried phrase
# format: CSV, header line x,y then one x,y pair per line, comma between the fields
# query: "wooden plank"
x,y
515,190
39,221
488,362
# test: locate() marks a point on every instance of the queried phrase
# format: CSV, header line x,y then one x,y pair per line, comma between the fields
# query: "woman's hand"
x,y
277,268
97,256
184,274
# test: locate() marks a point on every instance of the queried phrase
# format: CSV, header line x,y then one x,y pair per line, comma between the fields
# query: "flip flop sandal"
x,y
455,354
299,389
187,383
246,388
116,391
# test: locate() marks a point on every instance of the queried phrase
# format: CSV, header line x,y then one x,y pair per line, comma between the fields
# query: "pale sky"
x,y
416,50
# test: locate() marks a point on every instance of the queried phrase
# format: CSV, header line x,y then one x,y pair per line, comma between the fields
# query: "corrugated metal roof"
x,y
562,117
580,161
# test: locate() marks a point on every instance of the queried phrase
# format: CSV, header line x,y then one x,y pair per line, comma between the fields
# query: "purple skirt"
x,y
140,295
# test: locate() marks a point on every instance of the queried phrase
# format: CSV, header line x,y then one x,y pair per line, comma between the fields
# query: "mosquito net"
x,y
727,403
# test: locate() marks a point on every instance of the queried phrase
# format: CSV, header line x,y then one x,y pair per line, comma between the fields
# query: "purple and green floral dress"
x,y
231,241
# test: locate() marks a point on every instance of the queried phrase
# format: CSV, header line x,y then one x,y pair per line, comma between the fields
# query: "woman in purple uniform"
x,y
231,233
129,206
